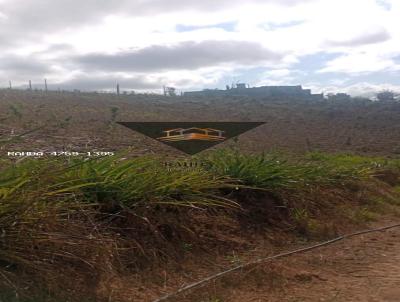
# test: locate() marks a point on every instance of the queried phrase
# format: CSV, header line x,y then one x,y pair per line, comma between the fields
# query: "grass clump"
x,y
127,182
260,171
272,172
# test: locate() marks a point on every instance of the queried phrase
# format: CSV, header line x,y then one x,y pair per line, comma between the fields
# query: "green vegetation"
x,y
127,182
65,222
15,111
114,114
355,161
272,172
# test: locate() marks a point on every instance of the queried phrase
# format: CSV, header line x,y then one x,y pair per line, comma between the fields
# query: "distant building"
x,y
241,89
339,97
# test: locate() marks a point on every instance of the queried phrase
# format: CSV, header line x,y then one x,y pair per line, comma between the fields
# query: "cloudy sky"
x,y
328,46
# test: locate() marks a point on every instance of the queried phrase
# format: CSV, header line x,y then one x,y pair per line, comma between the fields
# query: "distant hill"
x,y
87,121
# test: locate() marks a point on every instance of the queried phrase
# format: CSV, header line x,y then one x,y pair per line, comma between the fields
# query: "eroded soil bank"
x,y
365,268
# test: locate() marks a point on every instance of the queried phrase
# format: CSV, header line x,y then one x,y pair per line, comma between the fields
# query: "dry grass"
x,y
67,226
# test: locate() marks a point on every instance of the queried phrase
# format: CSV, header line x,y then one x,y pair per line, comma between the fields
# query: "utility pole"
x,y
118,89
30,85
45,85
9,82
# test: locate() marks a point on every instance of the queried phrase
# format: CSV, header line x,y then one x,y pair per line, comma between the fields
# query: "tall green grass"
x,y
128,182
273,172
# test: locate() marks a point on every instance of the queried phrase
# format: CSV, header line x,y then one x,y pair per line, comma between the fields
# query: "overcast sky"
x,y
326,45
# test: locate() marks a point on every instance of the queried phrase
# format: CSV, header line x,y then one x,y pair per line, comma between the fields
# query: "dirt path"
x,y
365,268
361,269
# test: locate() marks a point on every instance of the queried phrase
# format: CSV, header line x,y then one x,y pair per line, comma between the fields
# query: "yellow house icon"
x,y
194,133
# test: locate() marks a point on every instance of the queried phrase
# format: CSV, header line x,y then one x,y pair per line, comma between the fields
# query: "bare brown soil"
x,y
87,122
362,269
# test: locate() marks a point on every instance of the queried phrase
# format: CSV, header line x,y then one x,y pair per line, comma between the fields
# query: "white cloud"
x,y
282,73
360,62
363,89
371,36
43,38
